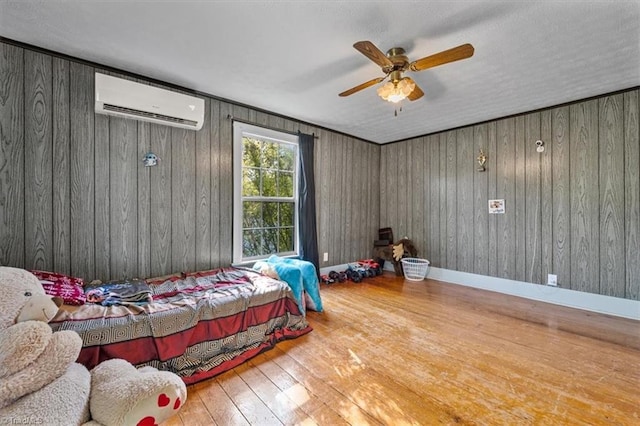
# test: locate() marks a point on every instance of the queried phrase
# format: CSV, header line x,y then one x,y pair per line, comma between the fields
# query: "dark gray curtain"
x,y
307,202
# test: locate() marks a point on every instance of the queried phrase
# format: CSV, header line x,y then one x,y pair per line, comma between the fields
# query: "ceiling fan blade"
x,y
362,86
369,50
455,54
417,92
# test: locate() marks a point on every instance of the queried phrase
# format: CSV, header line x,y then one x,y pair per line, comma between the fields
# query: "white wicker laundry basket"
x,y
415,269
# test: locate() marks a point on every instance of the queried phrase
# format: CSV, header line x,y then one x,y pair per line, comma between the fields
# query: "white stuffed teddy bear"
x,y
41,384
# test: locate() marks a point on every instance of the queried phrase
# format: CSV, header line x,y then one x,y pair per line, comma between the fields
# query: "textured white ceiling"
x,y
293,58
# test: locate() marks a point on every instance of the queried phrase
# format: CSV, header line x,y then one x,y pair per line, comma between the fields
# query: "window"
x,y
265,201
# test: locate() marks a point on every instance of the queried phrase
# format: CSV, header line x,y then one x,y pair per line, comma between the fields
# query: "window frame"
x,y
240,130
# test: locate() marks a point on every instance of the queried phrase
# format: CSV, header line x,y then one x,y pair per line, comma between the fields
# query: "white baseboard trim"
x,y
336,268
616,306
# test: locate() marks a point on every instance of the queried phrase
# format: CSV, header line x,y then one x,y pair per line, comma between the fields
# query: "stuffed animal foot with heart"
x,y
124,395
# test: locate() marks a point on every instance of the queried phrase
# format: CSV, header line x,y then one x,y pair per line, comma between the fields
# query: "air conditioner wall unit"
x,y
124,98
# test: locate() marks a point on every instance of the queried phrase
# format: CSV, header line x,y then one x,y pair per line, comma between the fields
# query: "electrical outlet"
x,y
552,280
325,257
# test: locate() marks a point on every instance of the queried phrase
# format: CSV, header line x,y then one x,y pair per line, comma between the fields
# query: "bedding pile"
x,y
198,325
127,292
301,276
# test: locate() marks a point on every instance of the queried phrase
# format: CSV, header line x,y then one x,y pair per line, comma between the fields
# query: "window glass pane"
x,y
269,188
286,214
251,152
270,153
287,157
250,182
252,212
270,241
252,243
270,214
265,172
285,184
285,239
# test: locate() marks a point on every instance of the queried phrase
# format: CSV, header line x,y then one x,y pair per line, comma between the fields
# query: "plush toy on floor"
x,y
40,383
403,248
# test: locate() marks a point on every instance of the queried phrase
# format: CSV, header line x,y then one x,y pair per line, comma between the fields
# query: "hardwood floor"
x,y
395,352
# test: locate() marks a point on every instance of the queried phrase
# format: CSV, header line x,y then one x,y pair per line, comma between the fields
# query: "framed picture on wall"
x,y
496,206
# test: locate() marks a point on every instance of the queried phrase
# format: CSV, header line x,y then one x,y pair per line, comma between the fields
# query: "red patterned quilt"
x,y
197,326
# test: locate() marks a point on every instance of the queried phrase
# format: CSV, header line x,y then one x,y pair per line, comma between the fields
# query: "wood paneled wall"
x,y
573,210
75,197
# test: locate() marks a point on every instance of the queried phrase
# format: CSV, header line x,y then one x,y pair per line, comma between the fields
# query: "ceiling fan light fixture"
x,y
396,91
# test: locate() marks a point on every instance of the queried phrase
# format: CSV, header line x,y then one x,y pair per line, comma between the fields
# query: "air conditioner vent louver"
x,y
130,99
137,113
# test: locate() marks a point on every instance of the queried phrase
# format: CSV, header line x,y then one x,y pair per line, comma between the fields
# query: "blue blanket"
x,y
301,277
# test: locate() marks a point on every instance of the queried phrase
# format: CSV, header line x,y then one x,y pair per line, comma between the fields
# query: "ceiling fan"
x,y
395,62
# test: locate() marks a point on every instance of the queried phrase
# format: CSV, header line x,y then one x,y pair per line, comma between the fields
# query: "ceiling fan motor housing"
x,y
399,60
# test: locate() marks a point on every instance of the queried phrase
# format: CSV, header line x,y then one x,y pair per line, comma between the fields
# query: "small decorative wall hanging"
x,y
482,158
150,159
539,146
